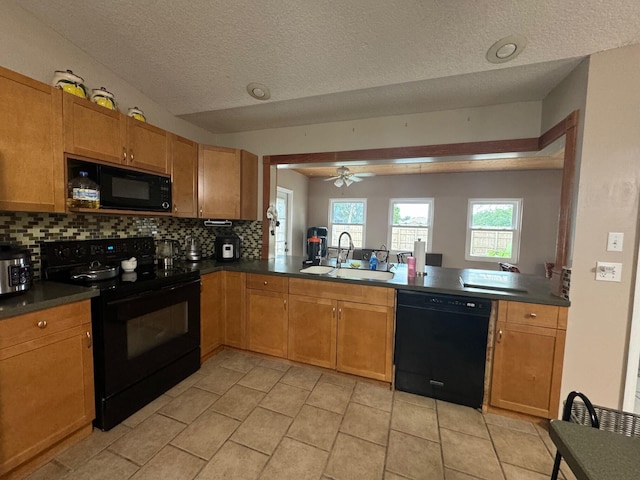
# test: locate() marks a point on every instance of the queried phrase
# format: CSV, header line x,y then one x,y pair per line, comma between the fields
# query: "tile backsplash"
x,y
28,229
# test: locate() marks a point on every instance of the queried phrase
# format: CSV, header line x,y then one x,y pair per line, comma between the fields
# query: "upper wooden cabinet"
x,y
30,145
184,176
96,132
227,183
528,358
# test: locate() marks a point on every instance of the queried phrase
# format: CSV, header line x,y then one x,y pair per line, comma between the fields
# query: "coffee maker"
x,y
316,244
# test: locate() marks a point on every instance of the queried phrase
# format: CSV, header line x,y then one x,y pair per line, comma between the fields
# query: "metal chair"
x,y
402,256
507,267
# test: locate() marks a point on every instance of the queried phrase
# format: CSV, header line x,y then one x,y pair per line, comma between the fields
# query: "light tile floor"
x,y
246,417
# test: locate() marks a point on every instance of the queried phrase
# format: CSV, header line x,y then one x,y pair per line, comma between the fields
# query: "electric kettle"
x,y
194,252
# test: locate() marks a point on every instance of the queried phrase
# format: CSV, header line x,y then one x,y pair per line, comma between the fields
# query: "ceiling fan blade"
x,y
354,178
330,178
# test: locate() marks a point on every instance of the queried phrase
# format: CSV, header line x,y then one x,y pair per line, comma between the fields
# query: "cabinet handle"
x,y
124,154
265,282
285,302
131,155
175,208
533,315
89,340
42,324
339,313
499,336
334,312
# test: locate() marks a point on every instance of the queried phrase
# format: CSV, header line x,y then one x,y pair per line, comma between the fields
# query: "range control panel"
x,y
83,252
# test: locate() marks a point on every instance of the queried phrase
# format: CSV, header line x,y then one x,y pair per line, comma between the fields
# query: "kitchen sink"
x,y
317,269
359,274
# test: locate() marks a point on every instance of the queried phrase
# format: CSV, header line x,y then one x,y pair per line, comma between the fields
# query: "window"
x,y
347,215
493,232
409,220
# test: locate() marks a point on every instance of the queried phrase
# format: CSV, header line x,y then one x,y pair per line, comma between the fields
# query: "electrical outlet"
x,y
609,272
614,241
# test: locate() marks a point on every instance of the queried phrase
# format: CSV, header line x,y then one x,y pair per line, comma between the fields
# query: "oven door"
x,y
143,333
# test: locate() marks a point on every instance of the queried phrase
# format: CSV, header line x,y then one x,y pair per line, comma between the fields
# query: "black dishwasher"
x,y
441,346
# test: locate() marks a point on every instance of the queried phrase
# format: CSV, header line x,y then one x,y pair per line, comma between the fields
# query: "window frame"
x,y
517,229
330,240
430,201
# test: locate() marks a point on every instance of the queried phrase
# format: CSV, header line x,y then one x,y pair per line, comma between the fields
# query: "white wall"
x,y
299,184
600,313
540,191
32,49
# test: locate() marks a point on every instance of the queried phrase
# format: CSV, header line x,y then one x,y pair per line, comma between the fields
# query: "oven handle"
x,y
155,291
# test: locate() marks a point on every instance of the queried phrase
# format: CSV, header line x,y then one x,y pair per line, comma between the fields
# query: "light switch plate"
x,y
609,272
614,241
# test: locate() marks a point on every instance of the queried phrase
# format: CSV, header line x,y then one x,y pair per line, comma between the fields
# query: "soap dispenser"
x,y
373,261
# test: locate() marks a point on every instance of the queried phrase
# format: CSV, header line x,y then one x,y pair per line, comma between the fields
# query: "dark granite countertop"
x,y
43,295
517,286
595,454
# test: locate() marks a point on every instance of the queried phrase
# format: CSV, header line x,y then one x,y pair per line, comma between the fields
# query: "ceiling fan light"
x,y
348,181
339,182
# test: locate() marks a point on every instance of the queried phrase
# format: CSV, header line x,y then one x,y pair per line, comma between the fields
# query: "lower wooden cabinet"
x,y
234,310
365,340
313,330
46,382
267,322
211,313
528,358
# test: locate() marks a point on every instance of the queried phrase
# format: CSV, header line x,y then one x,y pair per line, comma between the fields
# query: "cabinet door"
x,y
30,145
312,330
234,315
94,131
184,177
148,146
249,186
267,322
47,393
365,340
219,182
527,367
211,313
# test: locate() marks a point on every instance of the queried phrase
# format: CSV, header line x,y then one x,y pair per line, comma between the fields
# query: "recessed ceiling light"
x,y
258,91
506,49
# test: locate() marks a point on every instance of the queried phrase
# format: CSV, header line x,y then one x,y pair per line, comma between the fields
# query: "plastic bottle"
x,y
373,261
82,192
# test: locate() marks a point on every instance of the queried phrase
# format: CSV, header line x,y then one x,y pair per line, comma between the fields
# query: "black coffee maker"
x,y
316,244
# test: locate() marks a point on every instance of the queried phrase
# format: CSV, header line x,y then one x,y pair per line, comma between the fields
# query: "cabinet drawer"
x,y
529,314
35,325
343,291
271,283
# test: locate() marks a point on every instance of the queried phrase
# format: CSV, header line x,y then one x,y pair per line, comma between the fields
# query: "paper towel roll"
x,y
419,251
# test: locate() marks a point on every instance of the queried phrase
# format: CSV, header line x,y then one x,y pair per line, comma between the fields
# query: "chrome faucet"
x,y
339,259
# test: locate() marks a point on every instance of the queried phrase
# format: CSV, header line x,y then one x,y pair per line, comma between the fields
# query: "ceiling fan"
x,y
345,177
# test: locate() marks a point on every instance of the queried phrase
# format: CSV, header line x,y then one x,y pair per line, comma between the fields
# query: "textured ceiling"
x,y
325,60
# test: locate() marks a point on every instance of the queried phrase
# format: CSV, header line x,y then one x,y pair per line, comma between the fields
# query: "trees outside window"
x,y
493,229
347,215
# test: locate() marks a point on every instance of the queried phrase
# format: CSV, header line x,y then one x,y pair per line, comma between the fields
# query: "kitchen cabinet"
x,y
96,132
46,380
235,331
312,330
211,313
528,358
363,334
227,183
30,145
184,176
267,316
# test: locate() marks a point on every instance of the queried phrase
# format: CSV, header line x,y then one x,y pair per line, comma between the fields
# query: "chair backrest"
x,y
402,256
507,267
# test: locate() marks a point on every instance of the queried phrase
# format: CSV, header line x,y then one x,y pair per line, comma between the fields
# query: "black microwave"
x,y
129,190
